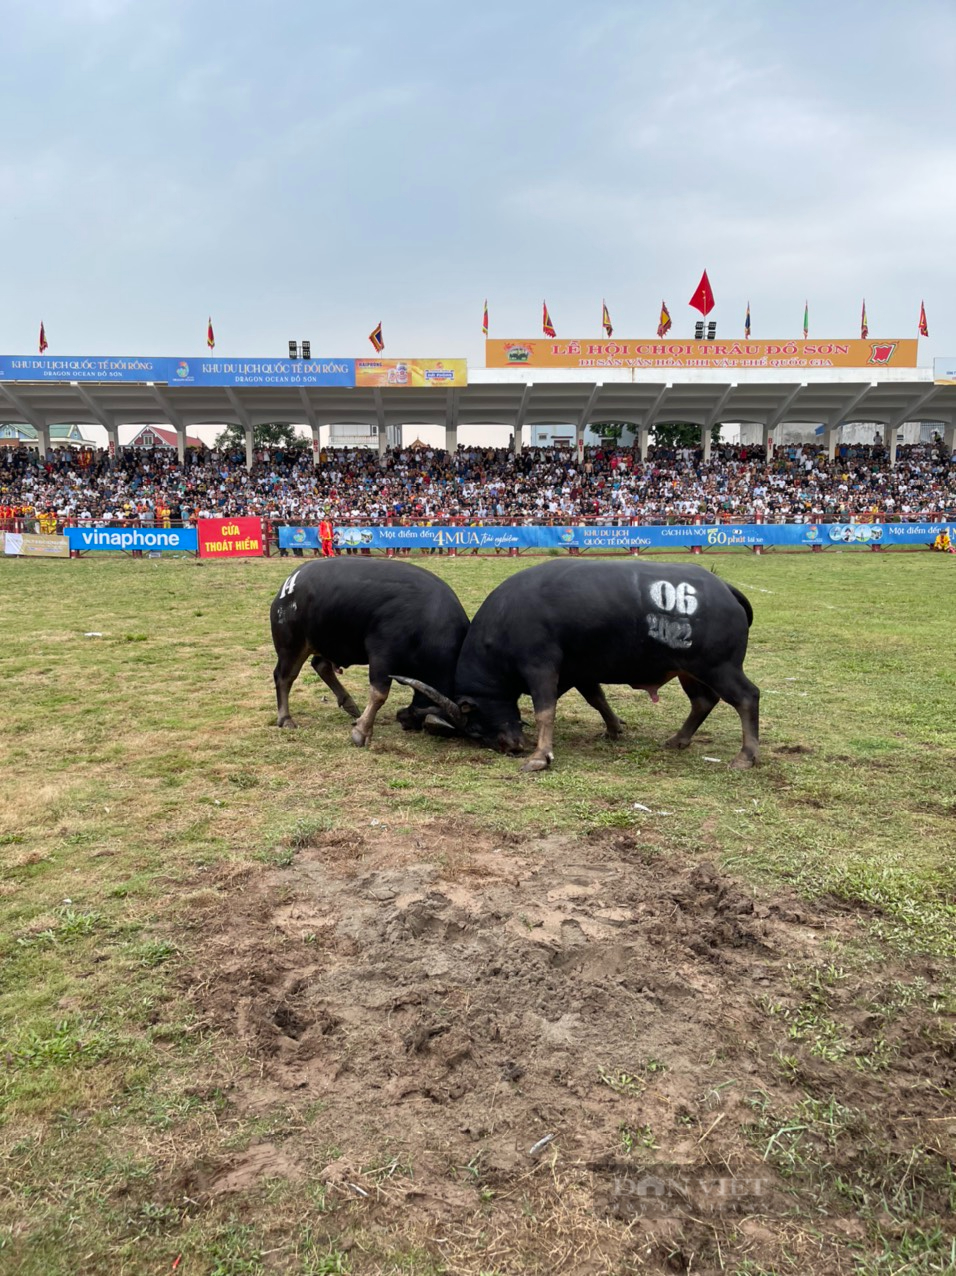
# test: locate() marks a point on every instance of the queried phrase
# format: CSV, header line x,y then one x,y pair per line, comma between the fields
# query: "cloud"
x,y
316,164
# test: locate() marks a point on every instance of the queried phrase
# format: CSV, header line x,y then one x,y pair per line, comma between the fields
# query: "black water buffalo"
x,y
362,611
579,624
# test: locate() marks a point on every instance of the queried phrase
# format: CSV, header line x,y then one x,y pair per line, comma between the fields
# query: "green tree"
x,y
275,434
681,434
611,431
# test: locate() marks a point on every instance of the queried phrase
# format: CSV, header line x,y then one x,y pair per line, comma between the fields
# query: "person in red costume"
x,y
326,532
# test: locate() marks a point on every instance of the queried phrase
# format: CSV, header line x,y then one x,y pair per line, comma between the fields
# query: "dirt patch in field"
x,y
573,1055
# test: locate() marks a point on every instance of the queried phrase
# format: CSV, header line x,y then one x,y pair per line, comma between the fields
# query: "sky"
x,y
304,170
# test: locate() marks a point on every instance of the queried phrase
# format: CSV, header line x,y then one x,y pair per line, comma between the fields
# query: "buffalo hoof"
x,y
742,762
360,741
675,742
538,764
351,708
287,725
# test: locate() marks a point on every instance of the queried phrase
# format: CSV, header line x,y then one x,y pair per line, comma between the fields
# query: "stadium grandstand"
x,y
797,483
641,444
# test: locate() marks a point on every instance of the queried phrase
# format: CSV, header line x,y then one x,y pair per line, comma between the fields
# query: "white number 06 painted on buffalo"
x,y
681,598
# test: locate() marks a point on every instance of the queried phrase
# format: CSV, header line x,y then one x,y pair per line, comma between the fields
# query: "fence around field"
x,y
245,537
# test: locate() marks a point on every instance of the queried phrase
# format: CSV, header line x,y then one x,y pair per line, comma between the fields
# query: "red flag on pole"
x,y
864,326
375,336
43,340
606,320
484,321
210,335
923,326
663,328
546,324
703,298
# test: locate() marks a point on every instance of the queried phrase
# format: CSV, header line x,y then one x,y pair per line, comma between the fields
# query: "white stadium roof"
x,y
508,396
514,396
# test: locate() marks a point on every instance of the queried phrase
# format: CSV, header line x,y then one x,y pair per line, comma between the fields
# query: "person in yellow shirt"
x,y
943,544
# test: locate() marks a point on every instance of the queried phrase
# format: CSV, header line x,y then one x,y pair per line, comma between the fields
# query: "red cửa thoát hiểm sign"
x,y
230,537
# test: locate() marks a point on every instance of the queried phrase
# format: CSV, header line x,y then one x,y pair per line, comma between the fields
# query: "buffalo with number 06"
x,y
576,624
364,611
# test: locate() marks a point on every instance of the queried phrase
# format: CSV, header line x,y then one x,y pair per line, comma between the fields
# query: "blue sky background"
x,y
306,169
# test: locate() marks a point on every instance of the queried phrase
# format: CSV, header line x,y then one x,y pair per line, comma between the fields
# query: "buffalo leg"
x,y
732,685
285,674
596,698
326,671
377,695
544,697
543,755
745,698
702,700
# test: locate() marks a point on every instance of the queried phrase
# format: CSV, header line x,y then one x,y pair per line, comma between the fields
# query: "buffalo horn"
x,y
444,703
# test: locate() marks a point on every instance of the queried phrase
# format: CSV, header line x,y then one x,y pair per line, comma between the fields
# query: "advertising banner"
x,y
719,536
230,538
43,367
179,539
264,372
411,372
199,371
944,371
299,538
658,353
30,545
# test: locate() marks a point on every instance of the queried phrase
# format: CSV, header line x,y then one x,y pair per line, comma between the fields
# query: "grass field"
x,y
269,1003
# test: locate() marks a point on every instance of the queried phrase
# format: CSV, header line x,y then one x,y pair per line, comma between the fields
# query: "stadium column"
x,y
382,439
642,437
43,439
250,437
451,439
705,441
766,436
949,438
833,432
889,441
112,433
181,443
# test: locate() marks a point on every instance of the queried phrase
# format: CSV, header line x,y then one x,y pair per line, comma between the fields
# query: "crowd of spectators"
x,y
476,484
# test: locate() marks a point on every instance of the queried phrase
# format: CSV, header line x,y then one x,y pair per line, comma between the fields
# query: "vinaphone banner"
x,y
718,536
230,537
664,353
180,540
